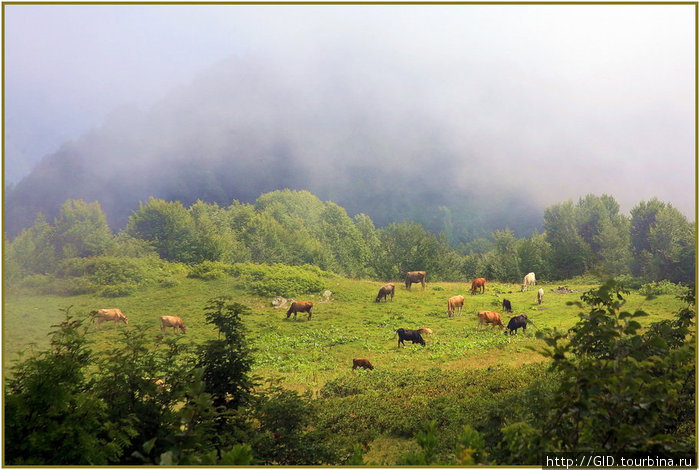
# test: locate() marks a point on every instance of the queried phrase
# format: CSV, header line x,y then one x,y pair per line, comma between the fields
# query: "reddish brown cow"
x,y
486,316
479,284
109,314
454,303
173,322
297,307
384,291
415,276
362,363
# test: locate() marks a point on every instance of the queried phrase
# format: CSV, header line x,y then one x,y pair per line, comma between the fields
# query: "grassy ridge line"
x,y
308,354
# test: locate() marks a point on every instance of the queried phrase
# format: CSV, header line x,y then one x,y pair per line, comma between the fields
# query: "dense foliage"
x,y
609,386
295,228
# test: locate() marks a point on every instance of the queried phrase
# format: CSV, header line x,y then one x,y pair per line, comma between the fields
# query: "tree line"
x,y
653,243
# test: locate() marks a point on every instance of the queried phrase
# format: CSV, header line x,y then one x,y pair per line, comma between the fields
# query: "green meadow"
x,y
303,354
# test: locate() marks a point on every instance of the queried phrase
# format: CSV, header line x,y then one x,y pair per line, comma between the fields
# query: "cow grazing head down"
x,y
528,280
506,306
385,291
172,322
519,321
362,364
409,335
297,307
494,318
109,314
478,285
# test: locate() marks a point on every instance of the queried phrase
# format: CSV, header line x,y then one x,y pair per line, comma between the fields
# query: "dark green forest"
x,y
589,237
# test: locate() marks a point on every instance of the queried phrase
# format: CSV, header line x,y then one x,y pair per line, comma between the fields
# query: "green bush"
x,y
279,279
120,290
210,270
661,288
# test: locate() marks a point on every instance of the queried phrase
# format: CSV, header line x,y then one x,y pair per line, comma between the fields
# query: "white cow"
x,y
540,295
174,322
109,314
528,280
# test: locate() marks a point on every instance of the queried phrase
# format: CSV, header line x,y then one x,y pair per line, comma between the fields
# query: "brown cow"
x,y
486,316
479,284
109,314
362,363
174,322
300,307
384,291
455,302
427,331
413,277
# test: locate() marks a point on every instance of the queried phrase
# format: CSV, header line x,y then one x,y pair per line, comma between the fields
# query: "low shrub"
x,y
279,279
661,288
210,270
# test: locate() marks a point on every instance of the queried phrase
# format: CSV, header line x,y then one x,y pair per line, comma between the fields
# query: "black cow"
x,y
506,306
517,322
409,335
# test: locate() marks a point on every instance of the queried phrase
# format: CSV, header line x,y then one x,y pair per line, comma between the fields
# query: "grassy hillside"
x,y
306,354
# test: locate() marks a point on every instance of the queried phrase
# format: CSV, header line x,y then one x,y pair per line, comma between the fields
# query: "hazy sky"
x,y
563,99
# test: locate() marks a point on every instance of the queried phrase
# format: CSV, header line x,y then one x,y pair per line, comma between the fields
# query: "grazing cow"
x,y
528,280
362,363
109,314
453,303
173,322
409,335
516,322
427,331
300,307
479,284
384,291
506,306
540,295
486,316
413,277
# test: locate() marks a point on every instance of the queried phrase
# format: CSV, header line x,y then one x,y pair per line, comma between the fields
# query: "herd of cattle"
x,y
454,304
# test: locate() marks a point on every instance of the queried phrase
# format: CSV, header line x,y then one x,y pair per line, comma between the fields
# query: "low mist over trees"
x,y
297,228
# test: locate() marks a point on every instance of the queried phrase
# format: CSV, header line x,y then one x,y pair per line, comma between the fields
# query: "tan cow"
x,y
426,331
172,322
109,314
300,307
486,316
455,302
384,291
413,277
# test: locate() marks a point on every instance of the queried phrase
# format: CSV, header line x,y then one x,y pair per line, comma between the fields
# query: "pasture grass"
x,y
303,354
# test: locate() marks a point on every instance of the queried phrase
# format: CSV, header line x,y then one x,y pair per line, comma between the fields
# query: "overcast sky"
x,y
570,99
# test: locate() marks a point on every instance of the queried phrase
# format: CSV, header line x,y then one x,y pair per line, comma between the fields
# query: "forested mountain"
x,y
295,228
242,129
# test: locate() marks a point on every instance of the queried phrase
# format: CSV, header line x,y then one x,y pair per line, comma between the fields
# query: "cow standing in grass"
x,y
517,322
297,307
528,280
109,314
540,295
167,321
384,291
413,277
506,306
493,318
479,284
455,303
409,335
362,364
